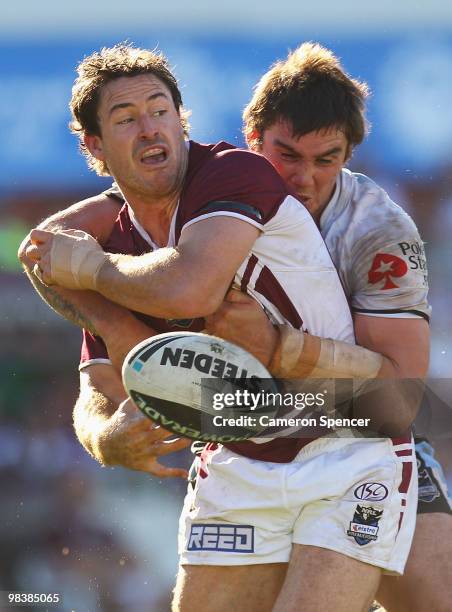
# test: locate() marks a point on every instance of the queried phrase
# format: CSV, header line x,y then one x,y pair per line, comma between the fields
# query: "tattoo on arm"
x,y
54,298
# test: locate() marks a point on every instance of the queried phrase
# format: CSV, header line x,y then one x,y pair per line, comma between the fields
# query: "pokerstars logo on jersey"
x,y
416,255
385,268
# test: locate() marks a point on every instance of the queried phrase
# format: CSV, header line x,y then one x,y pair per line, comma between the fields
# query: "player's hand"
x,y
133,441
38,251
241,320
68,258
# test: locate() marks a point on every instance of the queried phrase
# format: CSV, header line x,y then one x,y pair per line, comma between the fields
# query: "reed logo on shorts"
x,y
364,526
221,538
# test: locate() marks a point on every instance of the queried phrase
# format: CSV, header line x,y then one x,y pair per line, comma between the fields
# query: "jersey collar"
x,y
337,202
143,233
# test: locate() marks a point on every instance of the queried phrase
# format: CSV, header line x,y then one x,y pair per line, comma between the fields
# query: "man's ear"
x,y
254,140
94,145
348,154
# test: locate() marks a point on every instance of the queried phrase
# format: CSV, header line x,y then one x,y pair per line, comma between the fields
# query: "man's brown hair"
x,y
311,91
98,69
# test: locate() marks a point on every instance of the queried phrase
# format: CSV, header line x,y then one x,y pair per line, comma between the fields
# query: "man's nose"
x,y
147,126
303,175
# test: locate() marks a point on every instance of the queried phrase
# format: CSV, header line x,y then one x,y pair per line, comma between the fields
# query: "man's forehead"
x,y
325,138
130,88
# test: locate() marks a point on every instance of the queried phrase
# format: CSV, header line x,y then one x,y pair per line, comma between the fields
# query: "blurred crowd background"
x,y
106,538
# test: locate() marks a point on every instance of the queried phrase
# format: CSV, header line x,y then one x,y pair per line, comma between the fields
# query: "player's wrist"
x,y
76,259
302,355
272,346
287,352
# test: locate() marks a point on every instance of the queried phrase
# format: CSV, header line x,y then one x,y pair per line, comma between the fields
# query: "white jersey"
x,y
376,249
291,274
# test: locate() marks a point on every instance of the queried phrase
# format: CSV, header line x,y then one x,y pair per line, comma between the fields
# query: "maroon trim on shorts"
x,y
404,453
407,471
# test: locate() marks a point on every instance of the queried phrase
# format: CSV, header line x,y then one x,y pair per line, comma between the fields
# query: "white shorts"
x,y
355,496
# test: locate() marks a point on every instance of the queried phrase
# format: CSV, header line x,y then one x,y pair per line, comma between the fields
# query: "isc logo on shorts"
x,y
227,538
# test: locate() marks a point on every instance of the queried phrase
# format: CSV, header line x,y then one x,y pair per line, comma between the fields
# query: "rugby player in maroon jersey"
x,y
357,578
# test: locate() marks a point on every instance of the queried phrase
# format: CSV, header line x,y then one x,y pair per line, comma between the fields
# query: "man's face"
x,y
142,139
308,164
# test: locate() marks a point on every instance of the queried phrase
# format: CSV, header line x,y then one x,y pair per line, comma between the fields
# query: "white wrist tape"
x,y
75,259
300,355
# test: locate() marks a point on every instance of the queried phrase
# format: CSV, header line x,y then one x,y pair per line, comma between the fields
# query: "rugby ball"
x,y
199,386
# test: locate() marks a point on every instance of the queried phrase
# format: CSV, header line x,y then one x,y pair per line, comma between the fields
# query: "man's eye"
x,y
125,120
288,156
159,113
324,162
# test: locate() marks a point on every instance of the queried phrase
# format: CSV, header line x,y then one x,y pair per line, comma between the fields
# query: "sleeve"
x,y
390,271
114,192
93,351
233,183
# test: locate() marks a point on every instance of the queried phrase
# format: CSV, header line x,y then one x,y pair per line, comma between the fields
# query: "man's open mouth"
x,y
155,155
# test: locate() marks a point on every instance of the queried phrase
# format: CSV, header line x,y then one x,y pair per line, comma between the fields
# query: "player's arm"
x,y
404,344
395,350
288,352
112,429
87,309
95,215
189,280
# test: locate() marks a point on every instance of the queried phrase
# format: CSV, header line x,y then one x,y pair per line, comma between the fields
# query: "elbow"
x,y
194,304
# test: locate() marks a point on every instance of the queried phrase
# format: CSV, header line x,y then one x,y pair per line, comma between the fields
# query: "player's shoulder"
x,y
370,207
232,165
224,180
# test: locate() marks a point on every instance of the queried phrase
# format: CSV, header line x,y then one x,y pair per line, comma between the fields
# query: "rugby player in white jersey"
x,y
315,525
295,120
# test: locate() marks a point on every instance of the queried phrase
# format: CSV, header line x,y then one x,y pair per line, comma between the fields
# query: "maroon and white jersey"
x,y
376,249
289,270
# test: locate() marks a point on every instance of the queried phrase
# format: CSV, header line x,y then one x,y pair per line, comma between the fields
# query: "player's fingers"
x,y
38,272
38,236
162,471
137,440
74,232
152,442
144,463
159,434
45,262
32,252
170,446
133,422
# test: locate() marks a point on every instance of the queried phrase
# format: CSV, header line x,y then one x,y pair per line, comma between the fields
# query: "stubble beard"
x,y
173,184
